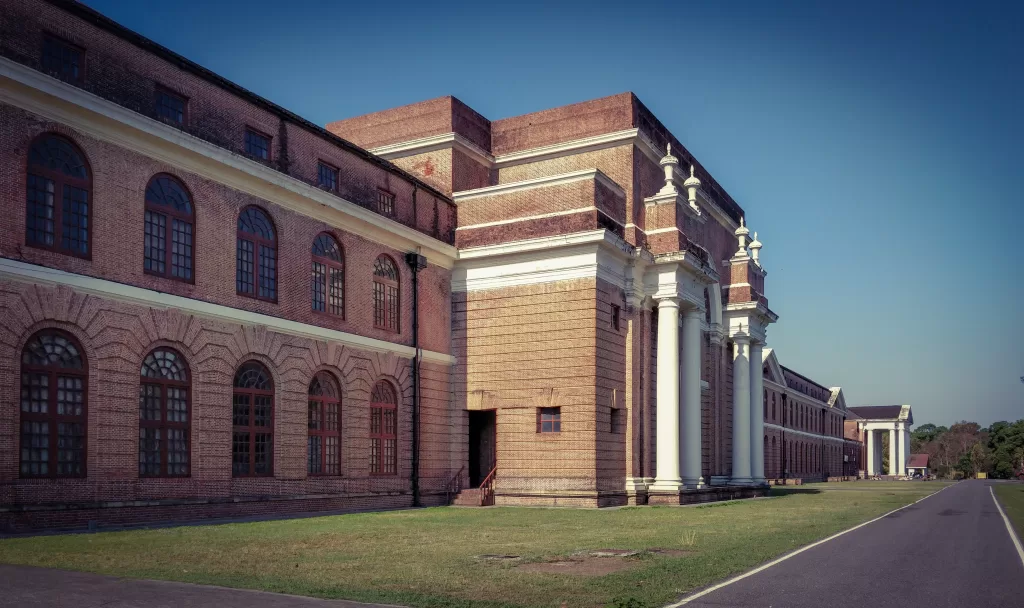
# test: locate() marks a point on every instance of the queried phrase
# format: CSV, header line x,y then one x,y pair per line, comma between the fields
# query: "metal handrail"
x,y
454,486
487,489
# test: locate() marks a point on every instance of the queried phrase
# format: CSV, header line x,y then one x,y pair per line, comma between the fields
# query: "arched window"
x,y
169,229
164,415
53,406
385,294
328,276
324,448
252,442
383,430
256,268
58,190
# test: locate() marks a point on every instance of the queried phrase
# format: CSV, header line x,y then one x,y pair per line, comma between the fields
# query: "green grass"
x,y
1011,497
428,557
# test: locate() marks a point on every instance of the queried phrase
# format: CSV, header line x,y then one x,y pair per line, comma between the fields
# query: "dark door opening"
x,y
482,443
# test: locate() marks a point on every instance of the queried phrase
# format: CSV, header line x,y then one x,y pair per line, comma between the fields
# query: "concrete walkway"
x,y
27,587
951,550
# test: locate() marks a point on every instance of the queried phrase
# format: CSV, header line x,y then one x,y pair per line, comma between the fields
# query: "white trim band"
x,y
540,182
32,273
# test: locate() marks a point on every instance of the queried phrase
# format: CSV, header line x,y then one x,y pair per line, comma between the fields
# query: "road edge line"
x,y
779,560
1009,526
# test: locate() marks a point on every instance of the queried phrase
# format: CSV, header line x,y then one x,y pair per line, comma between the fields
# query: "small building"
x,y
918,463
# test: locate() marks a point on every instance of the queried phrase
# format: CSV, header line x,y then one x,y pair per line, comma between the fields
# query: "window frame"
x,y
616,312
171,215
555,420
270,144
60,180
51,417
162,90
251,428
334,171
164,424
322,401
385,204
382,436
387,284
50,37
329,265
257,241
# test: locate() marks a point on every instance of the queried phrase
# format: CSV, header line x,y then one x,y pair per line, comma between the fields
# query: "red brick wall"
x,y
116,336
121,72
119,180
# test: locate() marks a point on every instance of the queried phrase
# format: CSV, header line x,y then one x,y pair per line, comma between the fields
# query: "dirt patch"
x,y
497,558
671,552
613,553
580,566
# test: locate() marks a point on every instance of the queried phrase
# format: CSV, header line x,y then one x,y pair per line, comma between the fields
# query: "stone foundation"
x,y
713,494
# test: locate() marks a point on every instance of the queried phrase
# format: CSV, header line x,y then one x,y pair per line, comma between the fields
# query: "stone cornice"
x,y
540,182
434,143
23,272
50,98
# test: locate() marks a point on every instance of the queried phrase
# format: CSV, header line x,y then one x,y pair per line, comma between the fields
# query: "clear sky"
x,y
875,148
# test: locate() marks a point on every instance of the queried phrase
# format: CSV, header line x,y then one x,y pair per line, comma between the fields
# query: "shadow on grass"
x,y
783,491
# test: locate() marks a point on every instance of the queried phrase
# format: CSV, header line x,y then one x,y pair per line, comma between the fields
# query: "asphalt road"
x,y
951,550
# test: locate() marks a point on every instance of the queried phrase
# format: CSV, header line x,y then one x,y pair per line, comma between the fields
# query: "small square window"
x,y
618,421
63,60
257,145
385,203
170,107
549,420
615,317
327,177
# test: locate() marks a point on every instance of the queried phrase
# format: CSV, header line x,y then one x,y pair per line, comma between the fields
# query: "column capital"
x,y
741,339
667,301
694,313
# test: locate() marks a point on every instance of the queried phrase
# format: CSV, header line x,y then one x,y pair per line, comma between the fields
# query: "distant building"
x,y
918,464
870,424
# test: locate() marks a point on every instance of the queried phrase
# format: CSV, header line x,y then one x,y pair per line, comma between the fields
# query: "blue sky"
x,y
875,148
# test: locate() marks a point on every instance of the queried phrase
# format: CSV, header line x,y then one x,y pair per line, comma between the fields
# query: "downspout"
x,y
417,263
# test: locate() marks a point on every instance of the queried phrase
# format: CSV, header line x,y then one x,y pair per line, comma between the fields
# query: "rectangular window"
x,y
615,317
63,60
549,420
170,107
268,273
39,223
155,244
181,250
257,145
327,177
385,203
75,221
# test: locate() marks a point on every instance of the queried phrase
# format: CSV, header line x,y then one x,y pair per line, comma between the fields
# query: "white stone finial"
x,y
669,163
755,250
741,235
692,184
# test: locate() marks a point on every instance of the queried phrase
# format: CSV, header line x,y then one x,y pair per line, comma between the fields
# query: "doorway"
x,y
482,445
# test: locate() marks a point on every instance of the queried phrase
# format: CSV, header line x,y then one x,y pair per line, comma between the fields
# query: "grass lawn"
x,y
1011,497
428,557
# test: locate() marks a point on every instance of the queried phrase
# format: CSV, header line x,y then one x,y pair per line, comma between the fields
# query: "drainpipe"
x,y
417,263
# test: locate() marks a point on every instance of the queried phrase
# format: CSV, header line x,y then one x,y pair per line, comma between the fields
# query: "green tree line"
x,y
966,449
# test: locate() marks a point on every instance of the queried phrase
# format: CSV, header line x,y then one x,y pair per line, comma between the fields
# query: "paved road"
x,y
27,587
951,550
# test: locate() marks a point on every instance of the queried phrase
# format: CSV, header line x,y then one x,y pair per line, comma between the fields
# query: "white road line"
x,y
779,560
1009,528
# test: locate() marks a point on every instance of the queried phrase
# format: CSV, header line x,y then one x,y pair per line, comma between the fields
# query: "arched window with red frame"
x,y
252,420
164,415
328,276
324,447
256,268
170,229
386,302
58,214
384,429
54,378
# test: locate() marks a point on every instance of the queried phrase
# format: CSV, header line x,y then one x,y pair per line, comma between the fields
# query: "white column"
x,y
904,449
741,411
871,452
692,320
756,414
893,454
667,478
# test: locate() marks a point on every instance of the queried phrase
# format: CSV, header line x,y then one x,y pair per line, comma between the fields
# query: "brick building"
x,y
214,307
